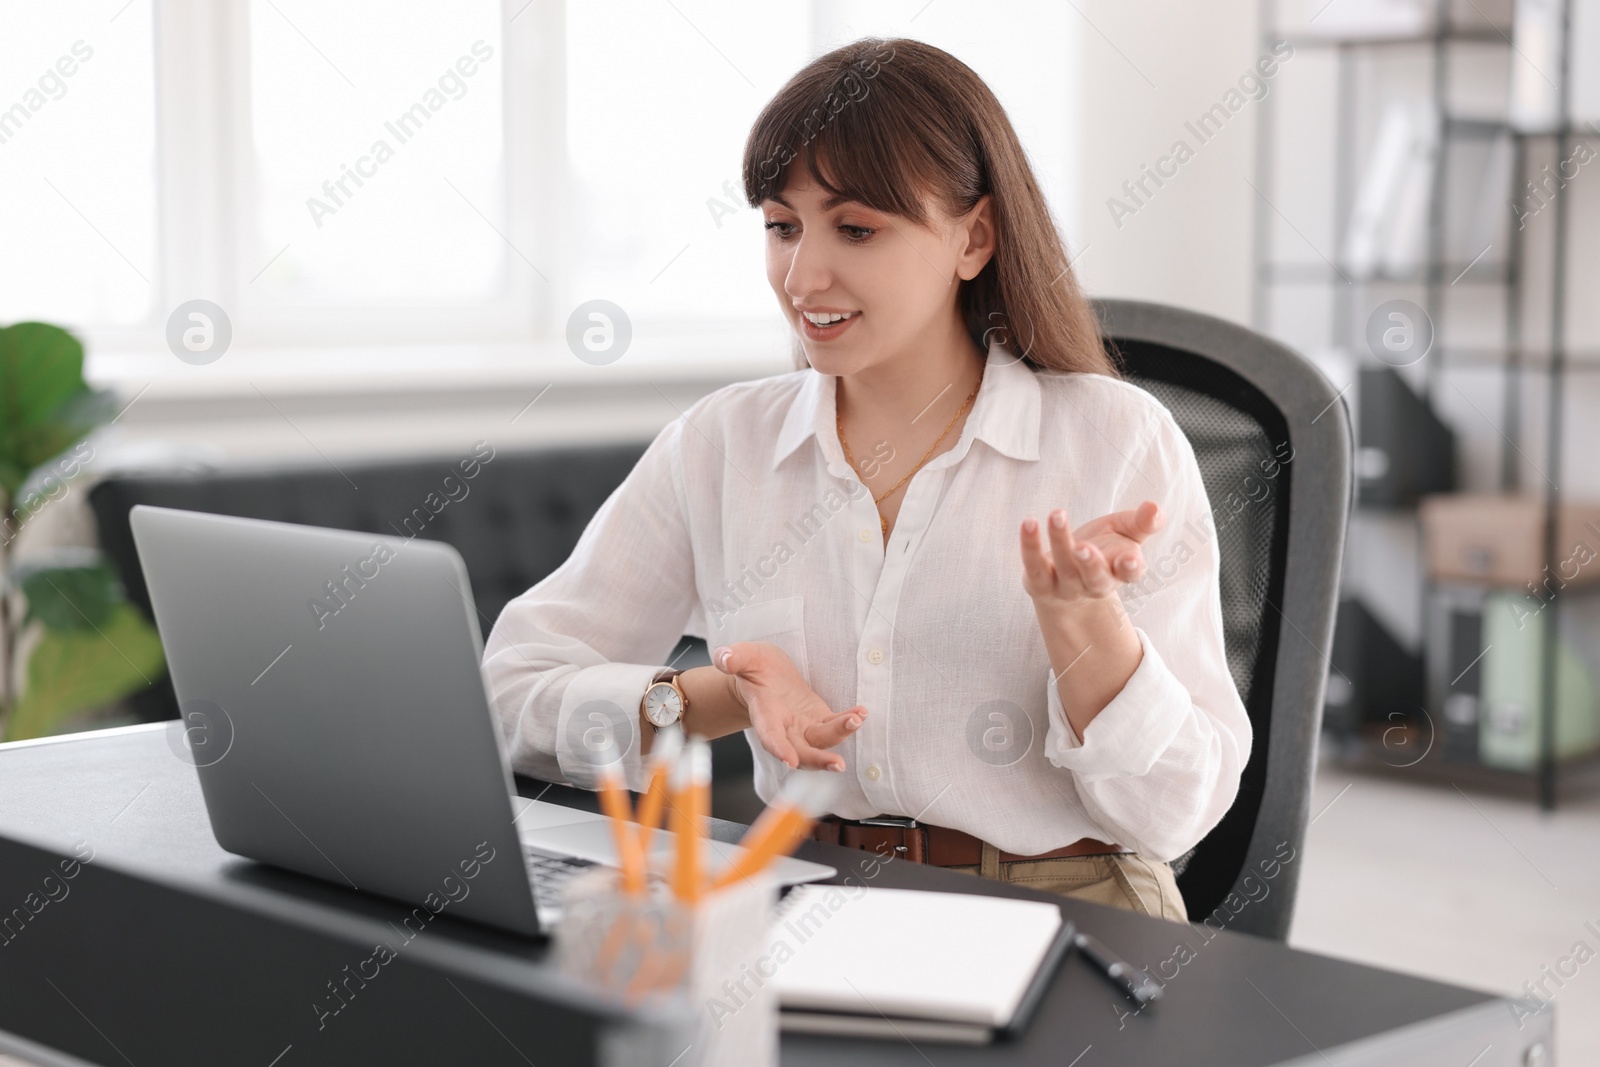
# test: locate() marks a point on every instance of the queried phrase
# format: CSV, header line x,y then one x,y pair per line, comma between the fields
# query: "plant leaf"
x,y
70,598
72,671
41,373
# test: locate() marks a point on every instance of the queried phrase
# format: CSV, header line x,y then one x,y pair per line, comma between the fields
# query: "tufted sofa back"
x,y
514,520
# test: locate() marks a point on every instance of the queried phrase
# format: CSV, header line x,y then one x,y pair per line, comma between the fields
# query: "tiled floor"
x,y
1473,889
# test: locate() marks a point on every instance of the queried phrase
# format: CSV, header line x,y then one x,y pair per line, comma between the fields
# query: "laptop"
x,y
333,703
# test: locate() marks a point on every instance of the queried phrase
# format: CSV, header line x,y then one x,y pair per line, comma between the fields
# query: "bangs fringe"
x,y
899,126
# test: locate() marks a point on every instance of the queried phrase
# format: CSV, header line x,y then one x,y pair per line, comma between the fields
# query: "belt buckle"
x,y
899,822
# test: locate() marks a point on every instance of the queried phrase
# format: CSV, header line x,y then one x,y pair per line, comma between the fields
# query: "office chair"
x,y
1236,395
1243,401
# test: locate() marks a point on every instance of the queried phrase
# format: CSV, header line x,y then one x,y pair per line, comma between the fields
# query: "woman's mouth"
x,y
826,325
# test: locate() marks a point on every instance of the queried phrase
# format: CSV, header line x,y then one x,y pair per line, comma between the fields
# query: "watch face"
x,y
662,705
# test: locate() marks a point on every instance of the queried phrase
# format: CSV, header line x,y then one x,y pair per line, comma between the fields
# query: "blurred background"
x,y
303,245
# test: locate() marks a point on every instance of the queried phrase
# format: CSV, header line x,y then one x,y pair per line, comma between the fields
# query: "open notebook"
x,y
904,963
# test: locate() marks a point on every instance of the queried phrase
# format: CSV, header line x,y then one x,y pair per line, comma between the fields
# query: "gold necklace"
x,y
838,419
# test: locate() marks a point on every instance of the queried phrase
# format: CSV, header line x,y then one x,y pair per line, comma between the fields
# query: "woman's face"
x,y
893,281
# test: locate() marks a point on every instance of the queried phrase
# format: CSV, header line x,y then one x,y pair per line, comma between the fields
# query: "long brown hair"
x,y
887,123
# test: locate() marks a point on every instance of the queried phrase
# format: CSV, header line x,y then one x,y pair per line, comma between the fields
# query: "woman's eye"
x,y
786,230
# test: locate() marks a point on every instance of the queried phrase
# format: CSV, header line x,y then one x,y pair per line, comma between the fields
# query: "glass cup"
x,y
654,947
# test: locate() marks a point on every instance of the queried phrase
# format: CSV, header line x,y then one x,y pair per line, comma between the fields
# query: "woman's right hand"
x,y
790,720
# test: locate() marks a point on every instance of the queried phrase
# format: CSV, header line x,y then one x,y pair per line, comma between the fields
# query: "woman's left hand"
x,y
1066,565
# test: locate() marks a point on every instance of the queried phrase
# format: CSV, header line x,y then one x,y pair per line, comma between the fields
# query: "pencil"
x,y
614,804
782,826
691,786
668,743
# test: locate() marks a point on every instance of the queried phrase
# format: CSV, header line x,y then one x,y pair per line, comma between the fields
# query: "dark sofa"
x,y
517,520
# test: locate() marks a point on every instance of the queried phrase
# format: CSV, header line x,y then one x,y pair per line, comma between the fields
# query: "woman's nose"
x,y
809,271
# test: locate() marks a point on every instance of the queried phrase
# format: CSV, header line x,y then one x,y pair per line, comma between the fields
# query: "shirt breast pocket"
x,y
780,622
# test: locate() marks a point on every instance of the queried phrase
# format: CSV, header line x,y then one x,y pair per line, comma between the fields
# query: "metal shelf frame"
x,y
1517,356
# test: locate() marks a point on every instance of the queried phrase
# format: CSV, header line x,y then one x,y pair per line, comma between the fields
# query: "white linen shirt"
x,y
742,521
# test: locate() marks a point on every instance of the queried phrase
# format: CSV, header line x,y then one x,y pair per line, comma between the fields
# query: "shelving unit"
x,y
1522,351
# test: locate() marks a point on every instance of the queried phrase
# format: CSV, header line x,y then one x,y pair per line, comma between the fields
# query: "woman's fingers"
x,y
1151,517
1103,554
819,759
1087,562
1036,566
1139,523
774,738
1098,577
733,659
1128,566
1122,557
790,720
1064,548
835,729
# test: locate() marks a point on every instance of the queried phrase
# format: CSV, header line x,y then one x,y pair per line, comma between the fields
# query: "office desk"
x,y
166,950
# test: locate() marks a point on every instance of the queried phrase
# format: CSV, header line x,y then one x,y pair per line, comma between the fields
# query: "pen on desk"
x,y
690,787
668,743
1139,985
783,825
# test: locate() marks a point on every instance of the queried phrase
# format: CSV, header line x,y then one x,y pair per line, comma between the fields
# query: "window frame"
x,y
208,246
205,180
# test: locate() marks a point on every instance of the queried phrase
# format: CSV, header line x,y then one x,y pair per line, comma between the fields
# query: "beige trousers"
x,y
1122,880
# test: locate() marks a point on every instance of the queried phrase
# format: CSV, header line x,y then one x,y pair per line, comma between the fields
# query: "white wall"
x,y
1146,69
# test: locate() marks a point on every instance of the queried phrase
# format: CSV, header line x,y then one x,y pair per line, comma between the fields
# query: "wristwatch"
x,y
665,701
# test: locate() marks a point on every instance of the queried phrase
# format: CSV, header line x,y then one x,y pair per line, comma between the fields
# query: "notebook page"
x,y
902,952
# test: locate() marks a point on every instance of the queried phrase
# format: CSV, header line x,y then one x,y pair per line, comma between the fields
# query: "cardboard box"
x,y
1497,539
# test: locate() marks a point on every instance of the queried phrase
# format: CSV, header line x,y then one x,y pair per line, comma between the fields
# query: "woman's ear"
x,y
977,227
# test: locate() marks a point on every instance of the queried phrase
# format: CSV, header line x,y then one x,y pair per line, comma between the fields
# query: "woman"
x,y
860,540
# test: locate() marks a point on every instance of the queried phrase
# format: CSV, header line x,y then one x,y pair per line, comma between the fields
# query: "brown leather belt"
x,y
937,845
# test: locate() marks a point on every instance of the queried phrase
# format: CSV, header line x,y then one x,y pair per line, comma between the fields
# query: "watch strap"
x,y
667,674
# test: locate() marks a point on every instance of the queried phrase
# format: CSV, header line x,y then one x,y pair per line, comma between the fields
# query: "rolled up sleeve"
x,y
568,661
1159,766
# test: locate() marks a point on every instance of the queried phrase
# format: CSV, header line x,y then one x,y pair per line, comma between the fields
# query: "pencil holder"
x,y
707,955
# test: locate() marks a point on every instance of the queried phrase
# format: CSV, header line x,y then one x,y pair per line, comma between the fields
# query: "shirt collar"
x,y
1005,415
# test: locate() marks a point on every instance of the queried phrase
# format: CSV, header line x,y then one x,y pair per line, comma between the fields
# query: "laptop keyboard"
x,y
549,873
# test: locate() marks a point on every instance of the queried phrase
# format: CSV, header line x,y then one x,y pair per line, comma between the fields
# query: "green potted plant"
x,y
70,641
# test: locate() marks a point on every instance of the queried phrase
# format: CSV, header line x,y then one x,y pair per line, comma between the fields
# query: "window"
x,y
77,166
368,175
372,173
656,122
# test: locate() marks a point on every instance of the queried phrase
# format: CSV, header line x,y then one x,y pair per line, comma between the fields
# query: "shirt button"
x,y
873,774
875,656
864,536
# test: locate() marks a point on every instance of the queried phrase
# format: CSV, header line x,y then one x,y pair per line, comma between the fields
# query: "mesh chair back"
x,y
1272,441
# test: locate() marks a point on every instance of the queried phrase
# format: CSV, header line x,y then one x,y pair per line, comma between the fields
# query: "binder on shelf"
x,y
1406,246
1372,214
1374,678
1405,450
1514,634
1455,652
1477,234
